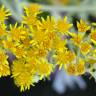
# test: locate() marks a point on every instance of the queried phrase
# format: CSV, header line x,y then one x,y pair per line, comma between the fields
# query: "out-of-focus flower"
x,y
93,36
82,26
4,65
85,47
4,14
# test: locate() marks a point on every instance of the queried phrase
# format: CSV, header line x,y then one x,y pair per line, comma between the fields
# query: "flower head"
x,y
44,68
22,74
93,36
82,26
4,65
85,47
4,14
63,26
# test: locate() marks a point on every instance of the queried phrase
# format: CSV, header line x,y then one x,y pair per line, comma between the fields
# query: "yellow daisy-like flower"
x,y
71,69
39,36
80,67
30,20
17,33
4,14
85,47
19,52
70,56
41,52
93,36
2,29
22,74
63,26
59,45
47,44
61,59
77,39
48,24
32,9
82,26
8,44
4,65
44,68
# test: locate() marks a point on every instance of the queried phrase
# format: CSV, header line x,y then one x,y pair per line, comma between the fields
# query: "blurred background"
x,y
60,84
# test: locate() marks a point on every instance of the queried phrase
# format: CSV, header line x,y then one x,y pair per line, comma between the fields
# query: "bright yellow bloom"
x,y
44,68
51,35
48,24
61,59
70,56
41,52
71,69
85,47
4,14
47,44
76,39
82,26
2,29
63,26
22,74
8,44
4,65
32,9
30,20
93,36
80,67
26,42
59,44
19,52
17,33
39,36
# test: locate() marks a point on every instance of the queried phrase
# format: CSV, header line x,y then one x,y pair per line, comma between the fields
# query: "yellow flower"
x,y
41,52
22,75
70,56
32,9
30,20
61,59
51,35
76,39
48,24
8,44
4,65
2,29
39,36
17,33
71,69
44,68
80,67
93,36
47,44
4,14
82,26
63,26
85,47
19,52
26,42
59,44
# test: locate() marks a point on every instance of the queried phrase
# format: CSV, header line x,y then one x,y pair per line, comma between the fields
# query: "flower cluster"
x,y
35,40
